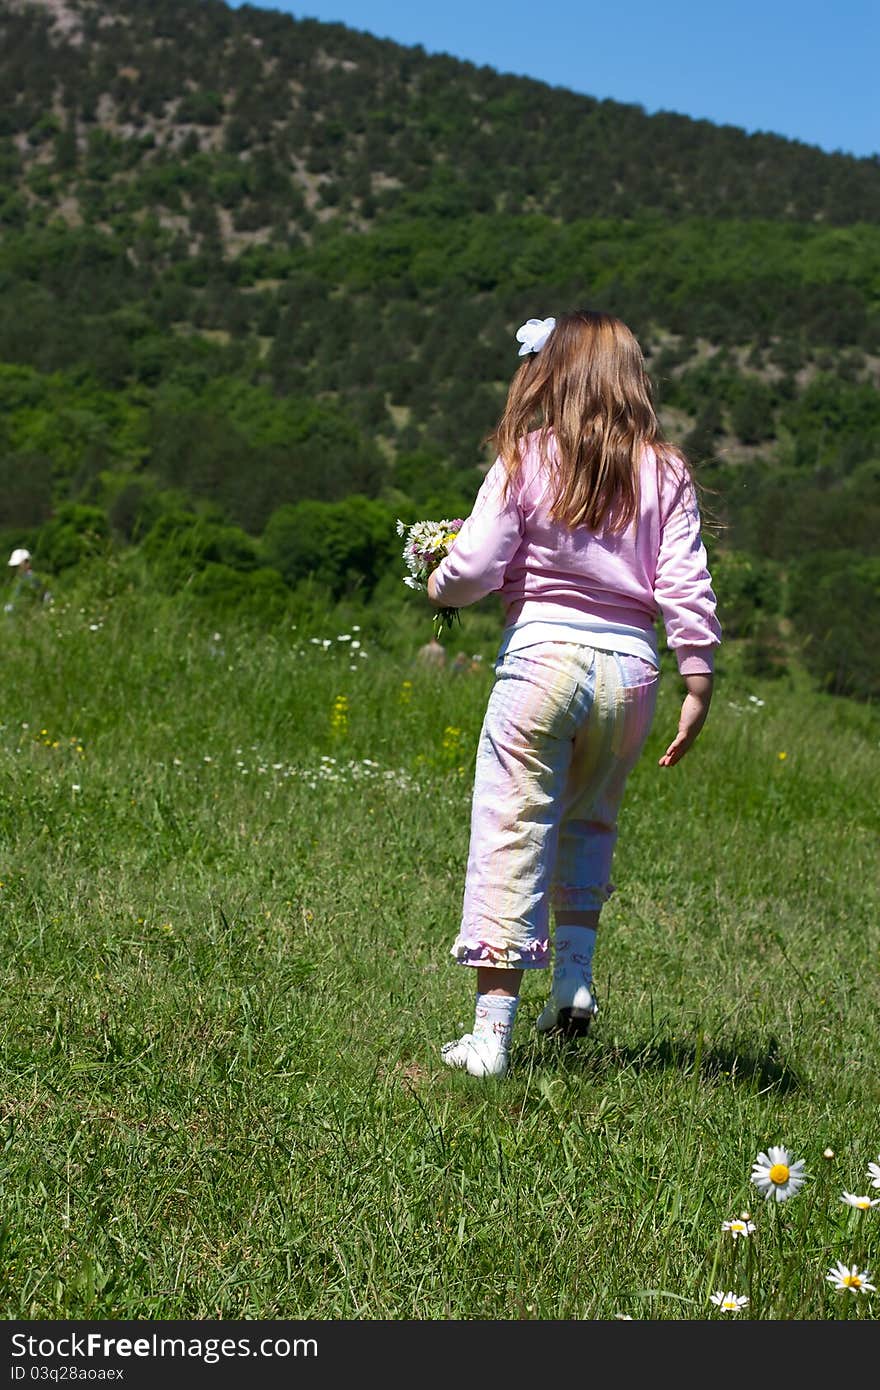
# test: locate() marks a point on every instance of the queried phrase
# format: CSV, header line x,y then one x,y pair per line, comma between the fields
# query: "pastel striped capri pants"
x,y
563,729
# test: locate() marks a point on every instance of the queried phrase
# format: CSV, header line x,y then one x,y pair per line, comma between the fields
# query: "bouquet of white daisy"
x,y
426,543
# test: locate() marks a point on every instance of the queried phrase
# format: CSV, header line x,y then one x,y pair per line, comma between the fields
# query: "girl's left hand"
x,y
694,709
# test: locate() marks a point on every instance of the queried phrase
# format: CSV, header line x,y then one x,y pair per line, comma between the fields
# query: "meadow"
x,y
232,862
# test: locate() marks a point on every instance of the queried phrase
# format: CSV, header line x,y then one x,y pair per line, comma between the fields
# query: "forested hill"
x,y
259,280
368,125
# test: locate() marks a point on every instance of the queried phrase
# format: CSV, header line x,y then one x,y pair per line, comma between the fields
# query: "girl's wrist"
x,y
699,685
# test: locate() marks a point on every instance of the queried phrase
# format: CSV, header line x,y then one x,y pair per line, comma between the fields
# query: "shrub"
x,y
747,589
260,594
180,545
834,605
345,545
74,534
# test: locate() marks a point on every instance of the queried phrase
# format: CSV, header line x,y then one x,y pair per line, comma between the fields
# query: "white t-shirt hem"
x,y
591,632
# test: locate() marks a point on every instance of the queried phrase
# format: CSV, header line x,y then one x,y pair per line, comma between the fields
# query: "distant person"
x,y
589,529
27,588
460,663
432,656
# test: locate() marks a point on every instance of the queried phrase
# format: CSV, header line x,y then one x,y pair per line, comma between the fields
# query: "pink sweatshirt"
x,y
545,571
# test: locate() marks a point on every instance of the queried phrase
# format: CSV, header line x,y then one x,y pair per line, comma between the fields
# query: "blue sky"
x,y
805,70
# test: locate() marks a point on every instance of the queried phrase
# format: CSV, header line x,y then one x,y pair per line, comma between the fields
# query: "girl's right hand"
x,y
694,709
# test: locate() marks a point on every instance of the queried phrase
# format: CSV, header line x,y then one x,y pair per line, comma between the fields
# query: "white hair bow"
x,y
534,334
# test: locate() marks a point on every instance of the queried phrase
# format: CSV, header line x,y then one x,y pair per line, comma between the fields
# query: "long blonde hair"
x,y
589,386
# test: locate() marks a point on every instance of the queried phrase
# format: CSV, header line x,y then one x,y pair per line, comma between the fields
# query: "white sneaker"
x,y
571,1012
478,1056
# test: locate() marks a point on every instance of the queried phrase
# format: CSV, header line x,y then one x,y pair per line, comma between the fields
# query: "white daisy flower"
x,y
850,1277
874,1173
741,1226
729,1302
774,1174
863,1203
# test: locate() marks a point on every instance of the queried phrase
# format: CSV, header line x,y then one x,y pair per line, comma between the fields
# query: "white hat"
x,y
18,556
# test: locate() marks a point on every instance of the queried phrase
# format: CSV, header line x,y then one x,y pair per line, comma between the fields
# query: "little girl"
x,y
588,526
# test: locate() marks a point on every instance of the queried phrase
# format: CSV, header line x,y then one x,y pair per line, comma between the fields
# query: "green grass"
x,y
226,977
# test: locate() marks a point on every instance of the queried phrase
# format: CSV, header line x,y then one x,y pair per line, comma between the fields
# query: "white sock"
x,y
573,958
494,1017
